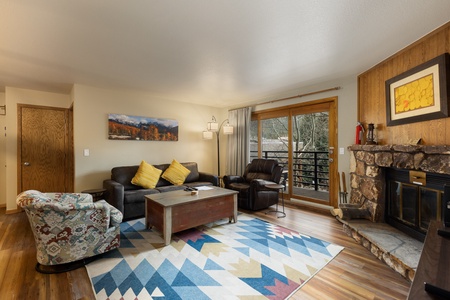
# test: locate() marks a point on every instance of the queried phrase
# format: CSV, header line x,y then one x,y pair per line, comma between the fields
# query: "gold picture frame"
x,y
419,94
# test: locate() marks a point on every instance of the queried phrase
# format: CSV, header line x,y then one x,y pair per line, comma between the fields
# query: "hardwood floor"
x,y
354,274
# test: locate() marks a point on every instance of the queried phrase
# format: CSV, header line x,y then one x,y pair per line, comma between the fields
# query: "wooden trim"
x,y
292,106
13,211
70,158
302,95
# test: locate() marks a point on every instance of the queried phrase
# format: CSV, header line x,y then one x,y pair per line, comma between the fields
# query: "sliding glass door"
x,y
311,153
302,138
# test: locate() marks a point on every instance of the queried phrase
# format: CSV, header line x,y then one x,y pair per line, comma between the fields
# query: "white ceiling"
x,y
216,52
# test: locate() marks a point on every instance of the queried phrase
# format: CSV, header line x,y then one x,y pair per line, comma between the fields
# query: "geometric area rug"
x,y
250,259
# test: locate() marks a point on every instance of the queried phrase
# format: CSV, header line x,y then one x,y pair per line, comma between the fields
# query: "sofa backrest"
x,y
125,174
194,175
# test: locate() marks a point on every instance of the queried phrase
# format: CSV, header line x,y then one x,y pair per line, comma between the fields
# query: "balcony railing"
x,y
310,168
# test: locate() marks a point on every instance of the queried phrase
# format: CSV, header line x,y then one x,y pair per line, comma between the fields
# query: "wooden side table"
x,y
97,194
278,188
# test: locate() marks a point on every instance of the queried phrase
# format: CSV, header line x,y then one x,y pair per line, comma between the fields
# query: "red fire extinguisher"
x,y
359,133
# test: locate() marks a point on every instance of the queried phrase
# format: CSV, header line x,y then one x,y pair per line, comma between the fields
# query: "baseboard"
x,y
2,205
13,211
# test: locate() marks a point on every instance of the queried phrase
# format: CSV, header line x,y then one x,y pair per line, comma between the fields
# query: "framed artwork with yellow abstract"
x,y
419,94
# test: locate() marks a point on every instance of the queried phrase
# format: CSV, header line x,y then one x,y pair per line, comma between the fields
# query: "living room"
x,y
92,104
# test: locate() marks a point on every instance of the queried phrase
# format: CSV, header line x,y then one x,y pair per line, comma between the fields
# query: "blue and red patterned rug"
x,y
248,259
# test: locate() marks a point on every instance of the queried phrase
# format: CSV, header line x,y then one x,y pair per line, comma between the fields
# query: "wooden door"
x,y
44,159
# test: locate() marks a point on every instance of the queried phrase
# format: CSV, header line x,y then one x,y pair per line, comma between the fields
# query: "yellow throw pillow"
x,y
176,173
146,176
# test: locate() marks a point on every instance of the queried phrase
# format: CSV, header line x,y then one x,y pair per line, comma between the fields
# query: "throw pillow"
x,y
176,173
146,176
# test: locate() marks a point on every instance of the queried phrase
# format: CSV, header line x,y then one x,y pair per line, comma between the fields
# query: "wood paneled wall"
x,y
372,95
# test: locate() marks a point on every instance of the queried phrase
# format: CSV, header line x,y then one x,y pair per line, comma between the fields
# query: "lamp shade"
x,y
212,126
227,129
207,135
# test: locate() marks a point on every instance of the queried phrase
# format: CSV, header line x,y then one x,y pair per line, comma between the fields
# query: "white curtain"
x,y
239,142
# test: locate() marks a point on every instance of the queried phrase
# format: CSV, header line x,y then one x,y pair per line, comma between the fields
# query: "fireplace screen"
x,y
412,205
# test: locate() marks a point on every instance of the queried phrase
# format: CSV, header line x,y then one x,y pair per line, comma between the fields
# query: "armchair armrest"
x,y
110,216
229,179
260,185
99,215
114,193
209,177
115,215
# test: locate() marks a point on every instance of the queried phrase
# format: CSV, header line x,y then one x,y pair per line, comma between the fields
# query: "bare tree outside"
x,y
309,143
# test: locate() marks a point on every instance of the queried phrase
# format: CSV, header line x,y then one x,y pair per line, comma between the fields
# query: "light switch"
x,y
86,152
341,150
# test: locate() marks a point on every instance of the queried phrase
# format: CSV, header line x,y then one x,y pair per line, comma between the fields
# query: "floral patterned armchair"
x,y
69,227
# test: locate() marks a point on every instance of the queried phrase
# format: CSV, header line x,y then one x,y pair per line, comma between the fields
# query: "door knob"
x,y
26,163
331,160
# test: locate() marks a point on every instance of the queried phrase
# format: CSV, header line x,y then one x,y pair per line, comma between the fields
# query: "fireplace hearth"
x,y
369,165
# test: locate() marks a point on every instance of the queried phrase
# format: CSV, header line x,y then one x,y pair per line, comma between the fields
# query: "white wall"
x,y
2,155
91,108
347,111
14,96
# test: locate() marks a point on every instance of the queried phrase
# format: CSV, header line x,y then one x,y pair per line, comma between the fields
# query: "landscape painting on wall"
x,y
124,127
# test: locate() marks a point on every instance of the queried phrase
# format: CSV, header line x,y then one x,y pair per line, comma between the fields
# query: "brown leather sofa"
x,y
129,198
253,195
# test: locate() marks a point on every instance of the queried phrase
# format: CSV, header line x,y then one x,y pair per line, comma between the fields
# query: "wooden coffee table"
x,y
176,211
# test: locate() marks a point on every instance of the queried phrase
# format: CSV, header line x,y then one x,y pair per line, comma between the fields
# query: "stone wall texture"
x,y
367,163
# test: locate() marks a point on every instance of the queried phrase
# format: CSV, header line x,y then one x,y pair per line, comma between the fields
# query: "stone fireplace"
x,y
367,171
363,217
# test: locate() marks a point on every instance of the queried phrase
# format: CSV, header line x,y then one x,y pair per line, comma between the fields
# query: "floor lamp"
x,y
213,127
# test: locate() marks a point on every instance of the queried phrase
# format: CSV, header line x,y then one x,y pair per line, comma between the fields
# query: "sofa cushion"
x,y
169,188
197,183
252,176
147,176
176,173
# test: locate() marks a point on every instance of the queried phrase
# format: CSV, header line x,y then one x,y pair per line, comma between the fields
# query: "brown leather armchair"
x,y
253,195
